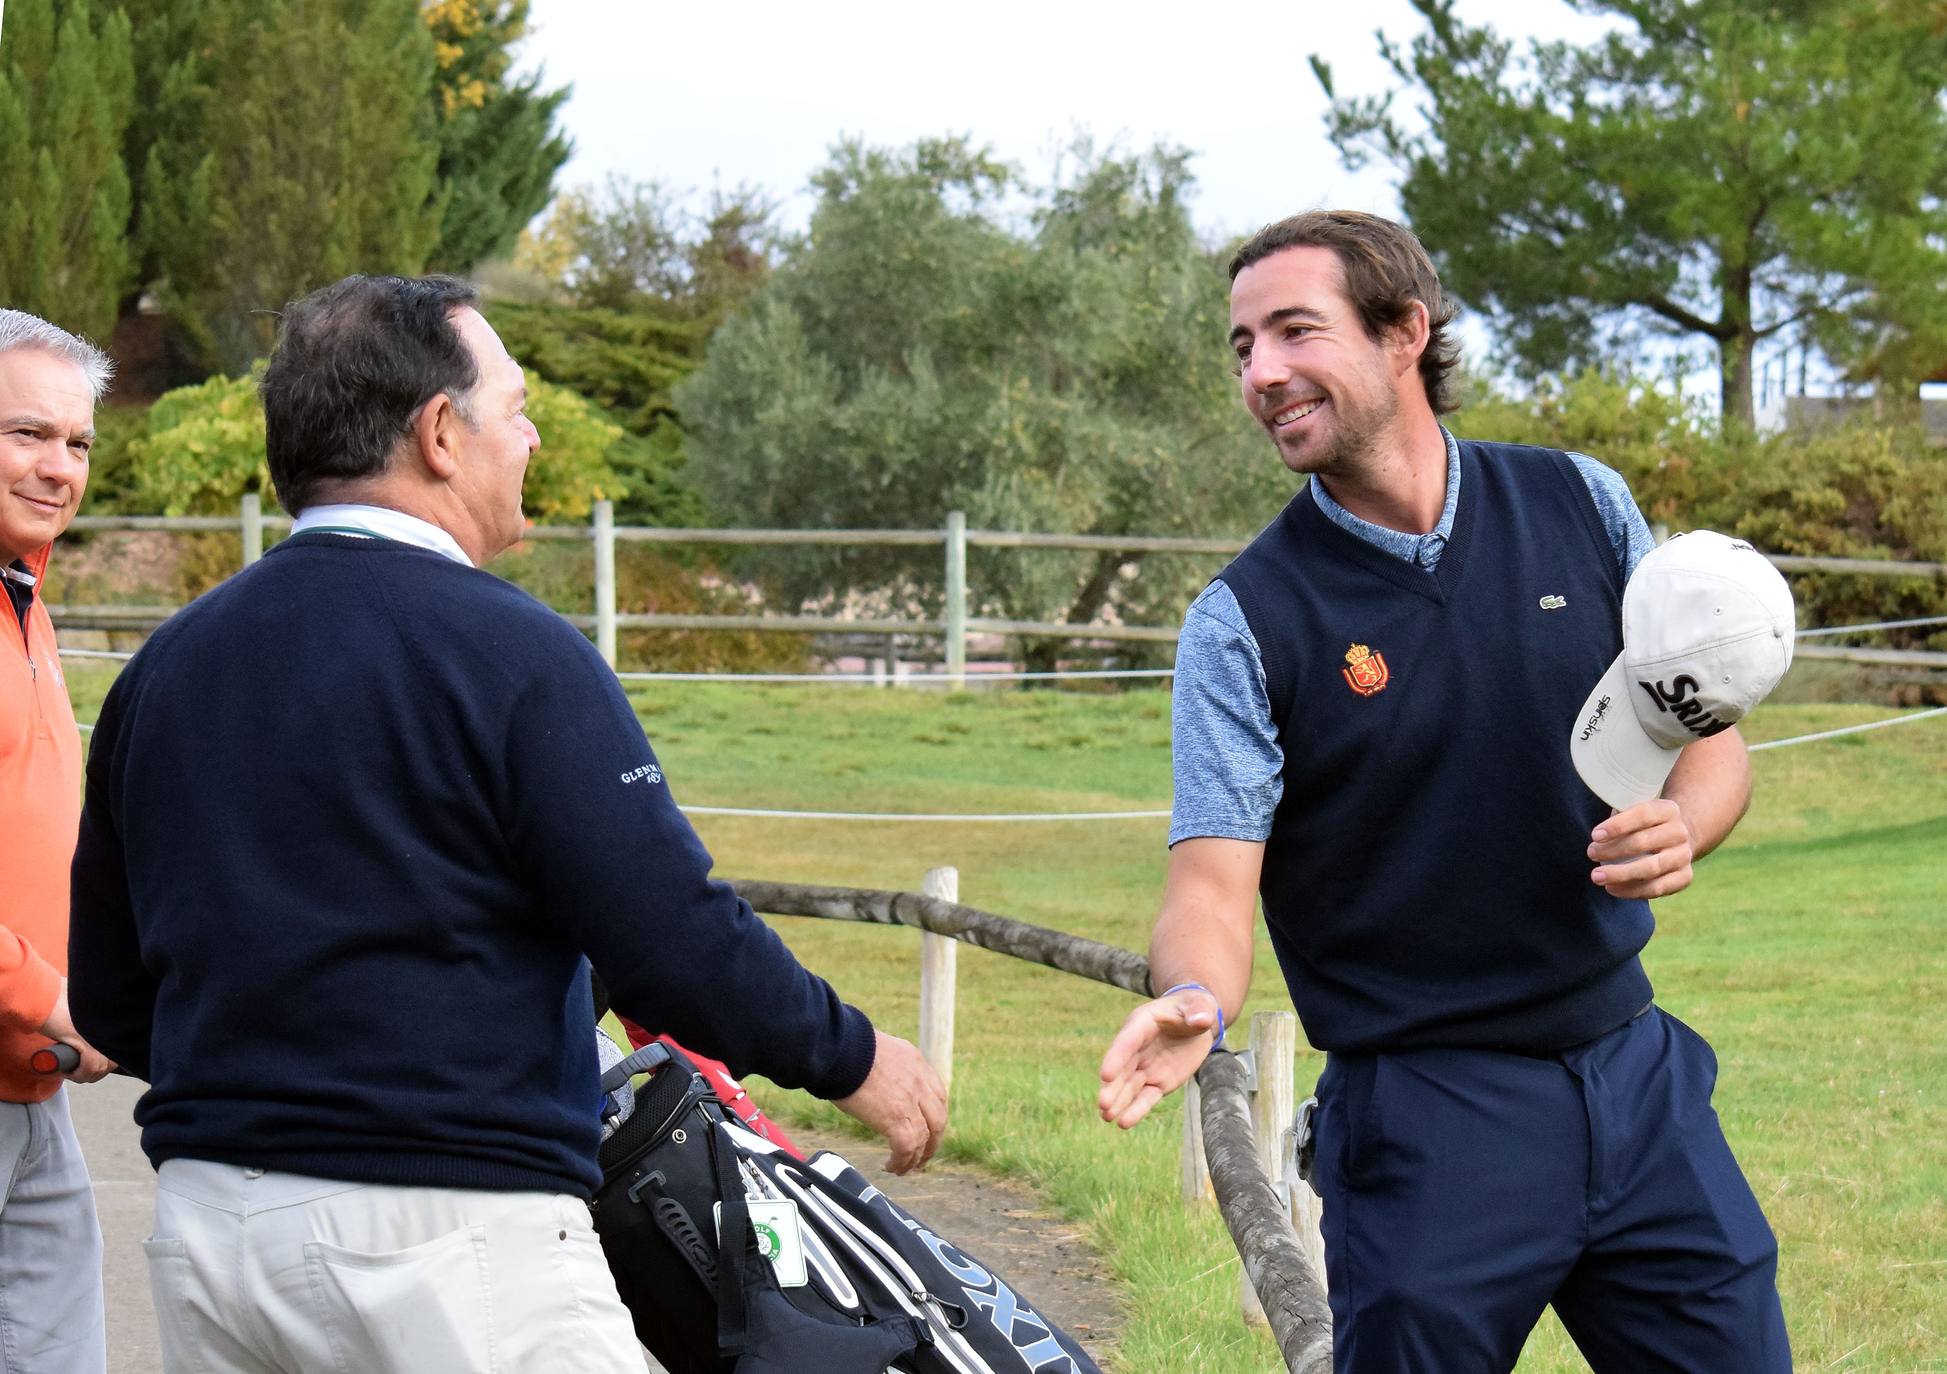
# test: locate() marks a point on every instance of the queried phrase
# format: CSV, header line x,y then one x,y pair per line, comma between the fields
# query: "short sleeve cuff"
x,y
1218,828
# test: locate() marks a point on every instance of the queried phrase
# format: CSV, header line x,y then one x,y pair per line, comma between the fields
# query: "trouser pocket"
x,y
180,1305
406,1311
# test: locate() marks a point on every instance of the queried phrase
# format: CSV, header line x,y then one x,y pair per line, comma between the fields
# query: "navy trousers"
x,y
1466,1190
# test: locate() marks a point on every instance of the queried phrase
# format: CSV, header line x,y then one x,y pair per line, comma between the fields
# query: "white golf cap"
x,y
1707,627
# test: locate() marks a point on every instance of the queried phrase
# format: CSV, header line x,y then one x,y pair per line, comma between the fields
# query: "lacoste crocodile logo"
x,y
1553,603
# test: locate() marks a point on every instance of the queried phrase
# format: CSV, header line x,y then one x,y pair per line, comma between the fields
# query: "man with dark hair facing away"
x,y
1372,705
352,821
51,1315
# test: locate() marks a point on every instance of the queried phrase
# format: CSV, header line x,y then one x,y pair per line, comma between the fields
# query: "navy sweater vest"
x,y
353,821
1426,881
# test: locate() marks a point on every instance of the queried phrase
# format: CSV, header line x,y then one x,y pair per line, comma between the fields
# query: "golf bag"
x,y
827,1275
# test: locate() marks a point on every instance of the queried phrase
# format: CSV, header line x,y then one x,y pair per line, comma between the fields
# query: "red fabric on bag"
x,y
718,1077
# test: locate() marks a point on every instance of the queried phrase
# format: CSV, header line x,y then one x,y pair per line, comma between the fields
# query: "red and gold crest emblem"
x,y
1365,671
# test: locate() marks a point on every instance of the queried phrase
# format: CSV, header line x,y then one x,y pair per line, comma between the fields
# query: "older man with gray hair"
x,y
50,1243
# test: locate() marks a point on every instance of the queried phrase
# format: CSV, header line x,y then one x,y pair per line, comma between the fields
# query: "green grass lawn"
x,y
1812,951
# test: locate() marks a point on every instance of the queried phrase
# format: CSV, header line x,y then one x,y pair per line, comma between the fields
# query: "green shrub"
x,y
203,450
571,471
1867,490
203,447
1666,448
111,470
627,362
1858,491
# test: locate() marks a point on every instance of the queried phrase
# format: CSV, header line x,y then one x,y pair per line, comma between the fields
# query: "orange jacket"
x,y
40,813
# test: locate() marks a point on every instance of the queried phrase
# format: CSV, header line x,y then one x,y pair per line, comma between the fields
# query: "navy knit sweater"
x,y
1426,881
352,821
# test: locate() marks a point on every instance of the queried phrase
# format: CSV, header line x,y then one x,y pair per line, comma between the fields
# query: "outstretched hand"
x,y
903,1100
1161,1044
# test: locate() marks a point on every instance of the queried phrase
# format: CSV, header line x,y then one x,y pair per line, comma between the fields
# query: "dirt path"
x,y
1041,1256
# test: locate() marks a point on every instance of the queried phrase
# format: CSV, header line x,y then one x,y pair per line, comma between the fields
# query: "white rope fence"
x,y
1851,729
925,815
1057,675
1048,817
907,680
972,817
1875,625
966,817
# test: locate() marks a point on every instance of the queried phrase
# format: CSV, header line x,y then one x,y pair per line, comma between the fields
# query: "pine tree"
x,y
1730,170
499,147
66,91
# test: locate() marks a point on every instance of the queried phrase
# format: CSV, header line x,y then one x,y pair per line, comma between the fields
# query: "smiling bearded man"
x,y
1370,711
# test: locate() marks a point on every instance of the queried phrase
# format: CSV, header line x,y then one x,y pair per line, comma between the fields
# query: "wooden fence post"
x,y
251,517
1274,1056
1193,1166
938,960
956,597
605,580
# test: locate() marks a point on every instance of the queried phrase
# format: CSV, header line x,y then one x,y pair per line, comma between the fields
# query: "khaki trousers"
x,y
258,1272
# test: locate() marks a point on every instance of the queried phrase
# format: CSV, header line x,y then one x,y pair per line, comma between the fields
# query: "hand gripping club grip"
x,y
55,1058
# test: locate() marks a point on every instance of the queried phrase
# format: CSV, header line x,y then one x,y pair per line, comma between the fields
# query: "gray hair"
x,y
18,329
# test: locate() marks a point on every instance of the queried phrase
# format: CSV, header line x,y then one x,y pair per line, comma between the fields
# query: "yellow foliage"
x,y
205,448
572,471
452,22
461,17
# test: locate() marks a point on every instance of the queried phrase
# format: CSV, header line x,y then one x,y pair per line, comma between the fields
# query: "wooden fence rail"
x,y
1119,968
953,539
1239,1127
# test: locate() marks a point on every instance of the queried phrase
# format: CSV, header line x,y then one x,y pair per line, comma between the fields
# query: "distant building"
x,y
1810,412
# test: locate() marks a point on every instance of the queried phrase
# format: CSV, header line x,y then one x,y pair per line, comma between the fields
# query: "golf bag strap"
x,y
733,1248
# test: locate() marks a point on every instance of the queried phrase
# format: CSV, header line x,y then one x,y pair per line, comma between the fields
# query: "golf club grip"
x,y
55,1058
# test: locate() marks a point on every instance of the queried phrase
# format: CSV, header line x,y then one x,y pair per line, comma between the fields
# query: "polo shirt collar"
x,y
1421,550
380,522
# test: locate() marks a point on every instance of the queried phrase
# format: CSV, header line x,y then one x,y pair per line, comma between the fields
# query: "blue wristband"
x,y
1218,1043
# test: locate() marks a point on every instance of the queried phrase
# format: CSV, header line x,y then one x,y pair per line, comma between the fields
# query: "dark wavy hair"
x,y
354,363
1386,270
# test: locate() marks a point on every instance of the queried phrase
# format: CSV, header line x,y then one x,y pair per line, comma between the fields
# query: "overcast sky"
x,y
697,95
700,94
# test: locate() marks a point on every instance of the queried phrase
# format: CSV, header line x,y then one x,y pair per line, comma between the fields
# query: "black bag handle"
x,y
735,1241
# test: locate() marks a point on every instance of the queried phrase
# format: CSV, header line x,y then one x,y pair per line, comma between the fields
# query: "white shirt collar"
x,y
381,522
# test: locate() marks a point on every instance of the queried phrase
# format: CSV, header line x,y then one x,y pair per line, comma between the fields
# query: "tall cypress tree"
x,y
164,151
499,147
295,144
66,91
